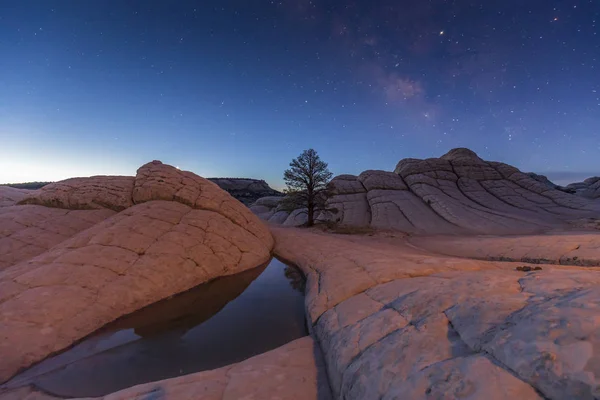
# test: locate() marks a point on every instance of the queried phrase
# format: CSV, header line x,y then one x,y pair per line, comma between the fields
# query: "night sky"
x,y
238,88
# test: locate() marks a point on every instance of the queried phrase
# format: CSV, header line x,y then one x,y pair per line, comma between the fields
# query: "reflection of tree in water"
x,y
296,278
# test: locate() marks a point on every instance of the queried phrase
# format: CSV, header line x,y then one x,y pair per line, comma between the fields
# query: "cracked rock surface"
x,y
10,196
448,314
458,193
398,321
76,255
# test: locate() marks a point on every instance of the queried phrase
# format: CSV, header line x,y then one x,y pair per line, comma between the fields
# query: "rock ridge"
x,y
458,193
77,254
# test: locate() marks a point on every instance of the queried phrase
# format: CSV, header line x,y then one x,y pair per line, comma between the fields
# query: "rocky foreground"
x,y
453,310
397,321
80,253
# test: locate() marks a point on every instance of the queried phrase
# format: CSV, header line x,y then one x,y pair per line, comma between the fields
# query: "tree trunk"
x,y
311,212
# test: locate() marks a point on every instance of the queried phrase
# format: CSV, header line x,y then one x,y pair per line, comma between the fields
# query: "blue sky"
x,y
227,88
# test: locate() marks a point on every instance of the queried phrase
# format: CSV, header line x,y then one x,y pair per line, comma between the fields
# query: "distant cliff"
x,y
246,190
27,185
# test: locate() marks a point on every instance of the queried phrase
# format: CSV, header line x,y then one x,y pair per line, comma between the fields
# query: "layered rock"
x,y
246,190
589,188
83,252
10,196
266,207
544,180
96,192
396,321
457,193
350,200
269,209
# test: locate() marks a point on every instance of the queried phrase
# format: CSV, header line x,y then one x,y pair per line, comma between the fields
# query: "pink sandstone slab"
x,y
582,249
10,196
179,231
395,321
27,231
112,192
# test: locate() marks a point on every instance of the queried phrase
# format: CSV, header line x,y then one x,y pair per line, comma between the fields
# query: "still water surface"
x,y
215,324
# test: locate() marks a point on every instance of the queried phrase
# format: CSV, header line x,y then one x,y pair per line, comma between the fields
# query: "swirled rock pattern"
x,y
589,188
458,193
397,321
80,253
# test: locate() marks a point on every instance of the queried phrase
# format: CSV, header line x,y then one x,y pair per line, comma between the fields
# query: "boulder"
x,y
269,201
296,218
269,209
266,207
85,264
279,217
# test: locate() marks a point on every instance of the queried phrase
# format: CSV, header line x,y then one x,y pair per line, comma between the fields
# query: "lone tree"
x,y
306,182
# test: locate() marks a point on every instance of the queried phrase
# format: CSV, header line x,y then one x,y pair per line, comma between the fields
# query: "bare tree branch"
x,y
306,182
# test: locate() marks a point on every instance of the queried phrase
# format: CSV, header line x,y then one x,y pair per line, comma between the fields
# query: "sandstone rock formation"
x,y
77,254
396,321
457,193
544,180
449,314
10,196
96,192
268,209
589,188
245,190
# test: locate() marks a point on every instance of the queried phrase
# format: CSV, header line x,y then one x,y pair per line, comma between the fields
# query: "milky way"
x,y
239,88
